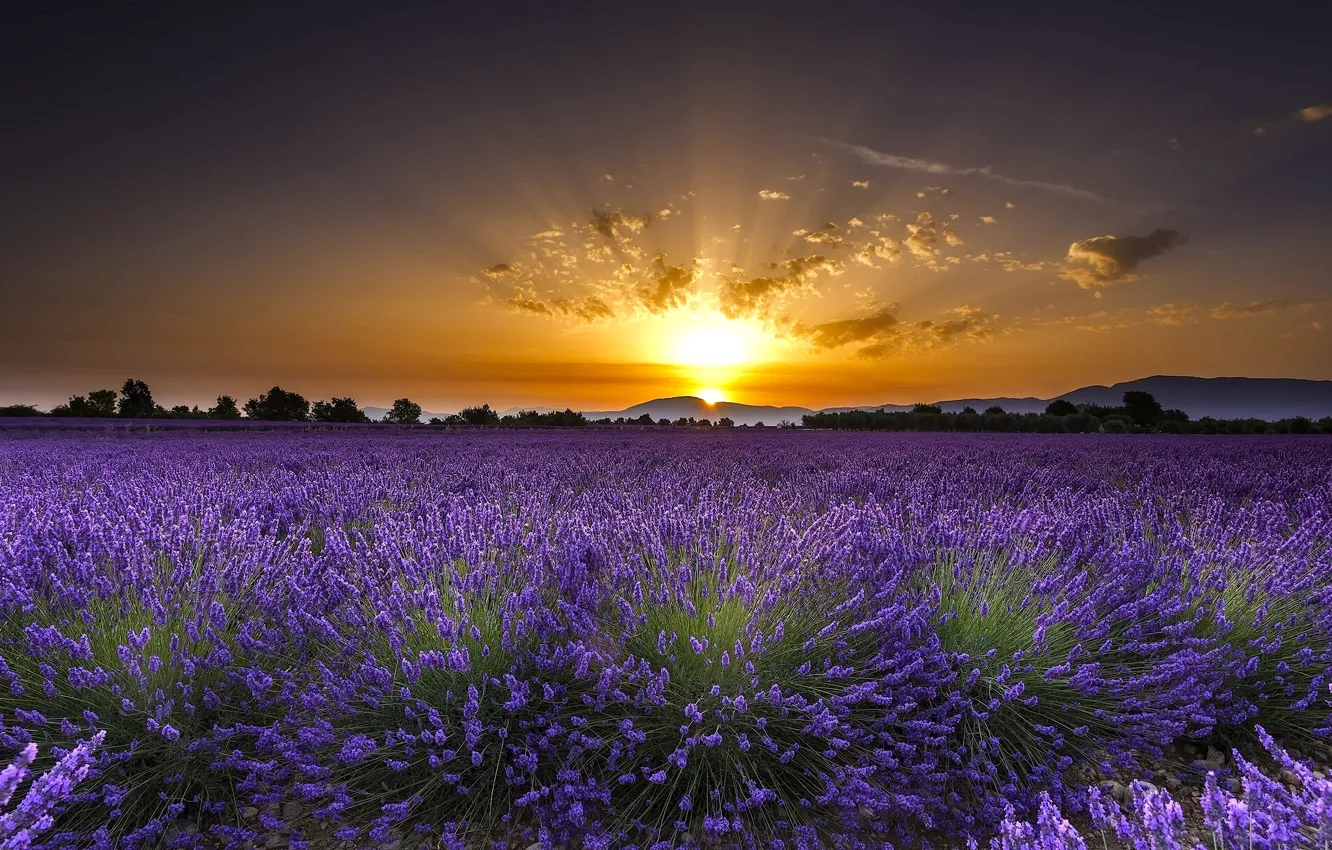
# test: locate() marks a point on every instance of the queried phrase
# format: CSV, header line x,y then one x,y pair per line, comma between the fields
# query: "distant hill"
x,y
377,413
1221,398
674,408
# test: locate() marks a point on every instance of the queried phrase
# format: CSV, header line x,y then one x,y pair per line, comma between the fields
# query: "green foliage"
x,y
278,405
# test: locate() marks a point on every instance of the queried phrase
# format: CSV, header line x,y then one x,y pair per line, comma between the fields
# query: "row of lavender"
x,y
625,639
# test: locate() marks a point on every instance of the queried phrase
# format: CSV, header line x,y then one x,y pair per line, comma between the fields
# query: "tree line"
x,y
1139,413
135,401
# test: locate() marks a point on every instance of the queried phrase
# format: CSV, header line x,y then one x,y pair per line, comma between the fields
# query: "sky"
x,y
592,205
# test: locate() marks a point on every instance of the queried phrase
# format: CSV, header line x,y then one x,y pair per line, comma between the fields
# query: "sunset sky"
x,y
594,205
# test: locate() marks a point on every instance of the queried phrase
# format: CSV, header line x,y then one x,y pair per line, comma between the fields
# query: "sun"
x,y
711,396
713,345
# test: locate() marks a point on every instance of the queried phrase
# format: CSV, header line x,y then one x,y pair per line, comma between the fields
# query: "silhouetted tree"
x,y
338,410
405,412
1142,408
994,410
926,408
20,410
482,415
278,405
136,400
224,409
663,421
969,409
102,402
1061,407
726,422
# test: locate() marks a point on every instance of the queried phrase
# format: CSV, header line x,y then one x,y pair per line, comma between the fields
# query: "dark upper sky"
x,y
595,204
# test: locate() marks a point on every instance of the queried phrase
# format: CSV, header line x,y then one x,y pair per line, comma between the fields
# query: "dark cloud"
x,y
669,287
880,323
1112,259
588,309
750,297
618,225
497,270
526,304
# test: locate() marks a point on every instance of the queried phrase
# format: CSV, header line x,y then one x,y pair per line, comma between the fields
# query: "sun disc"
x,y
711,396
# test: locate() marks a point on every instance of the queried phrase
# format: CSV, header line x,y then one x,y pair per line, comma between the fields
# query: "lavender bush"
x,y
645,640
31,817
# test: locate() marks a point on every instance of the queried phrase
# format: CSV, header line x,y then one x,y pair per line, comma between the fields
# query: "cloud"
x,y
923,237
1317,112
589,309
1228,310
1008,205
1173,314
748,297
860,184
525,304
497,271
906,163
882,248
771,195
669,287
987,219
952,238
880,332
618,225
878,324
825,235
1115,258
964,321
934,190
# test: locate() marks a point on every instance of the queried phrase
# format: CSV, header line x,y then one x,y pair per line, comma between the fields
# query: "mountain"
x,y
377,413
674,408
1220,398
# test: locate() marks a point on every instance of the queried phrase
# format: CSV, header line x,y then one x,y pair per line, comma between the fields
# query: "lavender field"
x,y
658,639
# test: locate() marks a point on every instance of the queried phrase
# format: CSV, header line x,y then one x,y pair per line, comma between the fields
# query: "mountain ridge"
x,y
1220,398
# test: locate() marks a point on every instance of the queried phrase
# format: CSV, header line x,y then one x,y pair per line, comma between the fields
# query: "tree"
x,y
278,405
338,410
1142,408
482,415
136,400
725,422
969,410
20,410
1061,407
927,408
407,412
224,409
994,410
102,403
